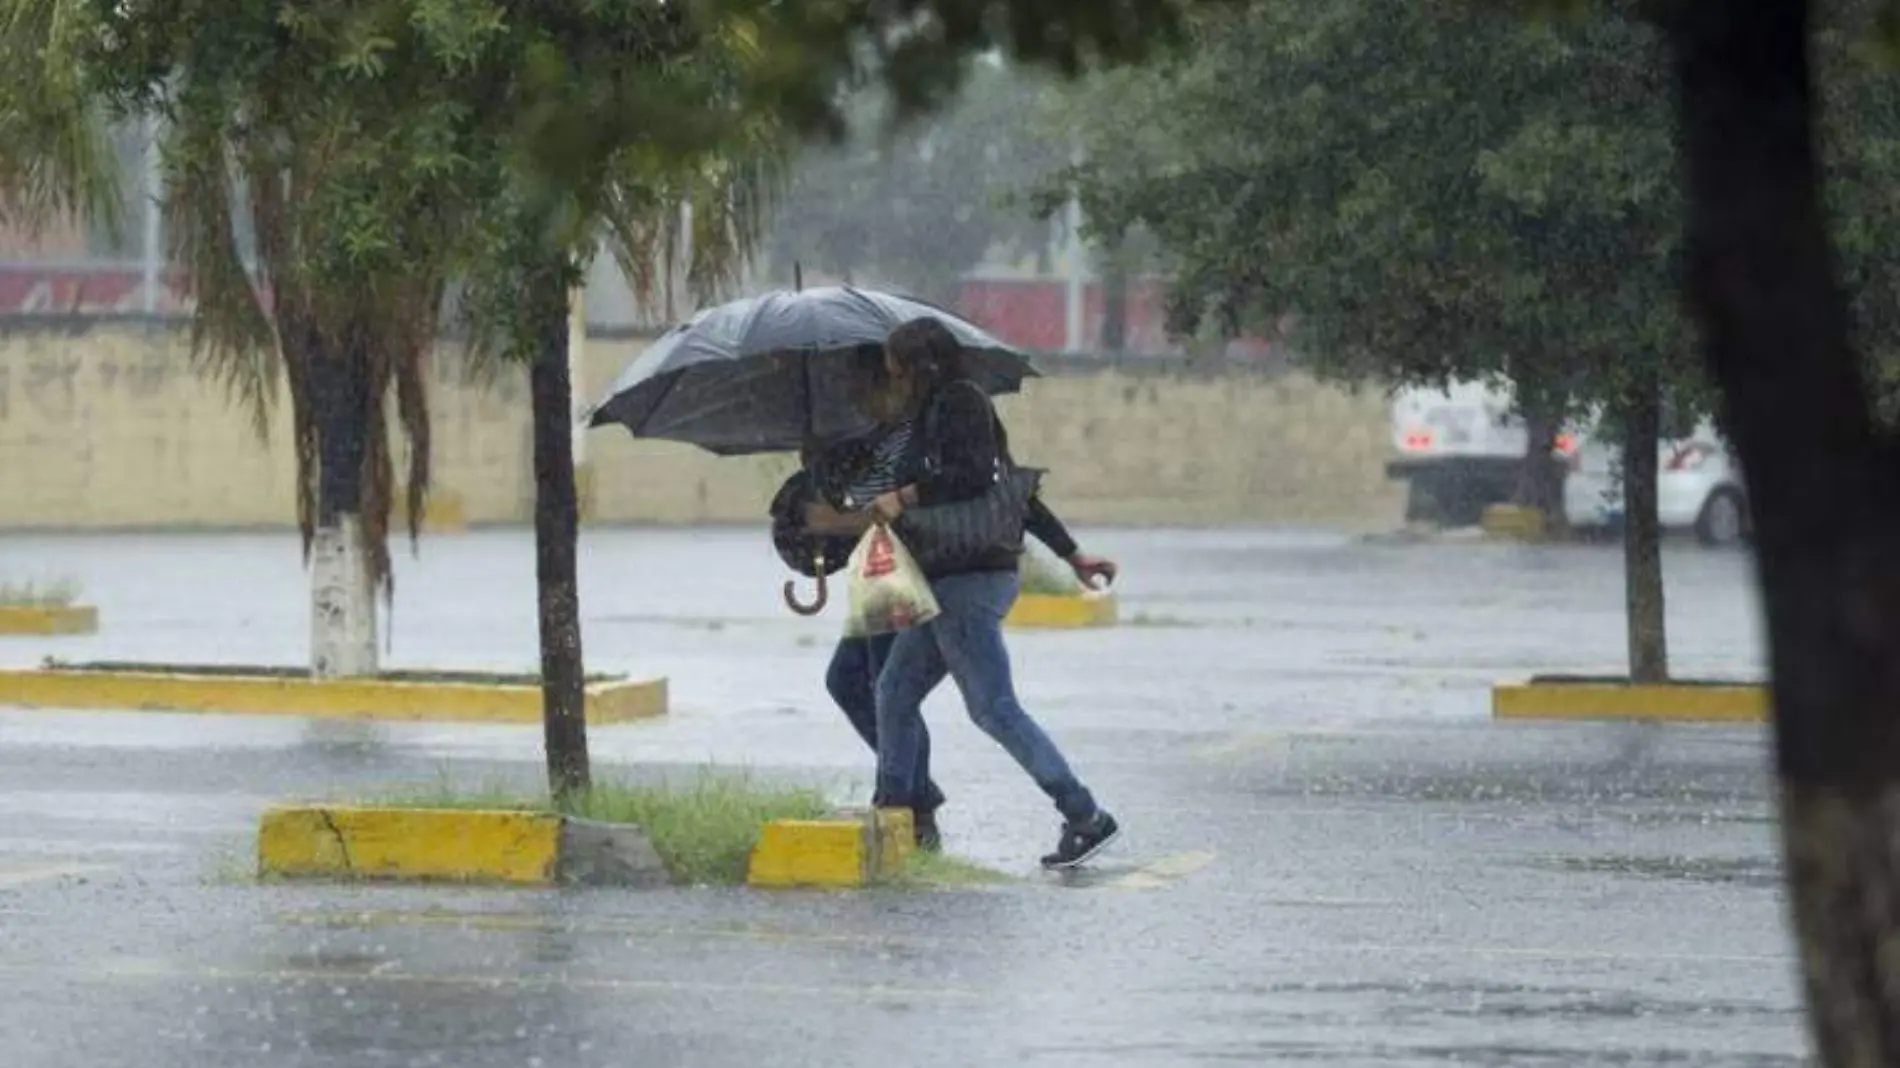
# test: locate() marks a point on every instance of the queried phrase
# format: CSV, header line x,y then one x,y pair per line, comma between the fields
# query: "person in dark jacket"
x,y
961,448
849,477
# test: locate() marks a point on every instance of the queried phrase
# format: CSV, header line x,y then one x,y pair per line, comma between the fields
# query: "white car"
x,y
1458,449
1698,487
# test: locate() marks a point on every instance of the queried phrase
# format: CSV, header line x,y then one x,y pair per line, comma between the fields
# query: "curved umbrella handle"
x,y
821,598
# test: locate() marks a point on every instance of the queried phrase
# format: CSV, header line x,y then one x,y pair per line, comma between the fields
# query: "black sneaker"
x,y
929,839
1081,842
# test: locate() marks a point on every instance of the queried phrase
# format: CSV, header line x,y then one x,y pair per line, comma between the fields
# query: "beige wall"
x,y
107,426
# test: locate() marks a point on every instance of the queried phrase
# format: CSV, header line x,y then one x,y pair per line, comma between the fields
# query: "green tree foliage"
x,y
1443,190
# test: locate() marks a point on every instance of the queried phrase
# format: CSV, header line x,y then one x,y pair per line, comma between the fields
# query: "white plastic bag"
x,y
888,590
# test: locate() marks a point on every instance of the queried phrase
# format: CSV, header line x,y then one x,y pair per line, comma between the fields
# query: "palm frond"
x,y
56,156
232,341
727,197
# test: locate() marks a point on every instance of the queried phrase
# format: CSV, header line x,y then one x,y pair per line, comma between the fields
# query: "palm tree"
x,y
56,159
408,152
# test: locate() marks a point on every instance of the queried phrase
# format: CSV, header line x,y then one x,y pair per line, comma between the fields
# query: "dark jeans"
x,y
965,642
852,680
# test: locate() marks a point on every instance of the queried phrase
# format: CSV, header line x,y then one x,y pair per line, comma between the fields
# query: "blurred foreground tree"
x,y
1788,347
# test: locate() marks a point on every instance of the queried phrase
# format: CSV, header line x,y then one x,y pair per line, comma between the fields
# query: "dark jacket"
x,y
836,468
953,457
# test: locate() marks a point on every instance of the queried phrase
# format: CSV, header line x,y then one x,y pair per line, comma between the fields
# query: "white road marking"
x,y
1160,873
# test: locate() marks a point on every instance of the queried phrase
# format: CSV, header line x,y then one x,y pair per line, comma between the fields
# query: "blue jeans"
x,y
965,643
852,681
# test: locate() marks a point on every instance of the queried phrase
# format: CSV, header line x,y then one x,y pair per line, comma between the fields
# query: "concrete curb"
x,y
1045,611
1514,522
445,512
452,845
616,701
1610,700
852,850
49,621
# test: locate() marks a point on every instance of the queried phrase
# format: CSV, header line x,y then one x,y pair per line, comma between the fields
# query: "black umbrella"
x,y
771,373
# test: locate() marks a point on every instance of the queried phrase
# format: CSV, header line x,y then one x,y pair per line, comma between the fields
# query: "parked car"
x,y
1459,450
1698,487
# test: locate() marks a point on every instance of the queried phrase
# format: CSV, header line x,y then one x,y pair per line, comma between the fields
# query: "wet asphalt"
x,y
1332,855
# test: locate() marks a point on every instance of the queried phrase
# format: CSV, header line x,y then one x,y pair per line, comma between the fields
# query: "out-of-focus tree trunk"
x,y
1826,500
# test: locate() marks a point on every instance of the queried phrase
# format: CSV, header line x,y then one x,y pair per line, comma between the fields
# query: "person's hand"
x,y
1088,568
888,506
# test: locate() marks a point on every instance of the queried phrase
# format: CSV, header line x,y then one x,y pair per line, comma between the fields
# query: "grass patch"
x,y
924,870
61,594
703,829
1044,575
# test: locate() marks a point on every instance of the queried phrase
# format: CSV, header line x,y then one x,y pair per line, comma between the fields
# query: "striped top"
x,y
881,471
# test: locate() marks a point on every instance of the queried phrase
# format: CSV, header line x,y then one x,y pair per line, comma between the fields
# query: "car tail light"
x,y
1418,440
1566,449
1689,457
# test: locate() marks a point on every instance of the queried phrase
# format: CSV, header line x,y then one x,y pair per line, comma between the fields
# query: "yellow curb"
x,y
810,853
584,487
895,831
422,844
1611,701
1057,611
445,512
35,621
1514,521
349,699
834,853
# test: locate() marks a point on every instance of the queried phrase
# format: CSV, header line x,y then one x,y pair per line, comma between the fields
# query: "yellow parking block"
x,y
340,841
1054,611
895,830
1514,521
409,699
822,853
847,851
1608,700
47,621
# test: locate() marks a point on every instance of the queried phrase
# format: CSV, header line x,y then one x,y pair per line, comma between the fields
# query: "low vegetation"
x,y
703,828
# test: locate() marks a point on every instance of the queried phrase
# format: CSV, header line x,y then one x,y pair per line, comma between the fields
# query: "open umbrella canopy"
x,y
772,372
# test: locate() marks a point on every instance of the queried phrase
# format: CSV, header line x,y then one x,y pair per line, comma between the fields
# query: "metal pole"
x,y
1072,218
151,185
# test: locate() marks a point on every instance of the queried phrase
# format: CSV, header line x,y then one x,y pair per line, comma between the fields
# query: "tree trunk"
x,y
1115,298
556,533
342,598
1642,535
1540,483
1761,285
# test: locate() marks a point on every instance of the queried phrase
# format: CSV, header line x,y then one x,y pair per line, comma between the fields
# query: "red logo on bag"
x,y
880,560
